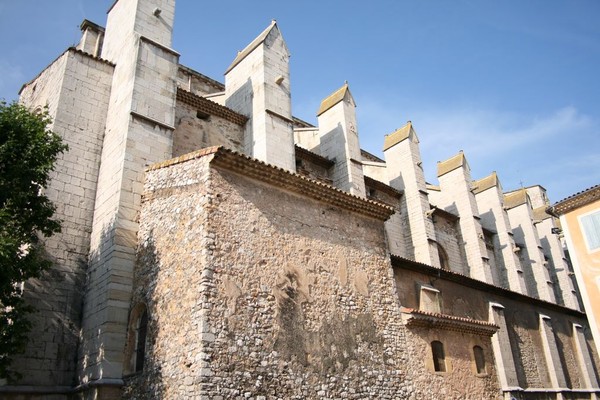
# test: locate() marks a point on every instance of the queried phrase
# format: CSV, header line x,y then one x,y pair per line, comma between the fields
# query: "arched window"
x,y
439,357
140,339
135,350
444,263
479,359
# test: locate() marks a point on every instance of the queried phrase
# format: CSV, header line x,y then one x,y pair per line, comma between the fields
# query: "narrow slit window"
x,y
140,345
444,262
439,357
479,359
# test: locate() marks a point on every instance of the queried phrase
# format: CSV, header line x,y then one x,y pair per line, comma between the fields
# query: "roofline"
x,y
288,180
404,263
574,201
68,50
210,107
255,43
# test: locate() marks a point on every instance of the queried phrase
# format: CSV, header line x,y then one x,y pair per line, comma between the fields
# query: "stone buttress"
x,y
490,202
548,232
257,85
338,134
138,132
457,198
405,173
537,276
75,88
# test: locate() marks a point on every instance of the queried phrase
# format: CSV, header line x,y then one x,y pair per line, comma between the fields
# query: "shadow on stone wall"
x,y
56,298
526,265
148,383
552,271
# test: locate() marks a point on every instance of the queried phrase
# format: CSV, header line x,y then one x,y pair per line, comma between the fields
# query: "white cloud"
x,y
557,149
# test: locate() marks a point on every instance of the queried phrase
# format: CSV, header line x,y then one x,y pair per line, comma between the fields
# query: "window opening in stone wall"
x,y
140,341
444,263
137,332
479,359
429,299
202,115
439,357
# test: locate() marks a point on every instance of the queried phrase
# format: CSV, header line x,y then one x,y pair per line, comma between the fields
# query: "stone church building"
x,y
214,246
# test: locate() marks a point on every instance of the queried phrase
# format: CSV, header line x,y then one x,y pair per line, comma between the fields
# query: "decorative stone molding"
x,y
424,319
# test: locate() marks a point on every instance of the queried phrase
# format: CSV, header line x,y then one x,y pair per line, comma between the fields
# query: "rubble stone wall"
x,y
193,133
291,297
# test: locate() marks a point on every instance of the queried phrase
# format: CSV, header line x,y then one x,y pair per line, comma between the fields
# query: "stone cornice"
x,y
315,158
378,185
302,185
463,280
577,200
210,107
424,319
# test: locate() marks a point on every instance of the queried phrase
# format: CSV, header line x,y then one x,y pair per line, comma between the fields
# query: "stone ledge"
x,y
378,185
424,319
577,200
210,107
464,280
308,155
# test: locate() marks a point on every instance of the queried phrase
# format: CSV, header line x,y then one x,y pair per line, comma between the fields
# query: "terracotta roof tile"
x,y
577,200
256,169
419,318
464,280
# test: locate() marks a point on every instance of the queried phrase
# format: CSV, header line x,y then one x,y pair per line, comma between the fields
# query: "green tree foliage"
x,y
28,151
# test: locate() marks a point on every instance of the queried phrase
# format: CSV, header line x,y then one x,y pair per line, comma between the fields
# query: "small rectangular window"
x,y
439,356
429,299
479,359
590,226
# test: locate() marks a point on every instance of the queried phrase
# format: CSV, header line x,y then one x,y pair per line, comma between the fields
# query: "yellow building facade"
x,y
580,219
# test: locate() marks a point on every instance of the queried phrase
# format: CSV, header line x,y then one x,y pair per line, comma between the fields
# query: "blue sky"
x,y
514,84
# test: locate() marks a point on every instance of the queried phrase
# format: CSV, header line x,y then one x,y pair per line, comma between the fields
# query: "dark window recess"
x,y
444,263
479,359
202,115
439,357
140,348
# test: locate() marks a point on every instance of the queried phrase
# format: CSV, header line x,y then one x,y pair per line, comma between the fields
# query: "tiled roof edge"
x,y
375,184
210,107
401,262
576,200
314,157
256,169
